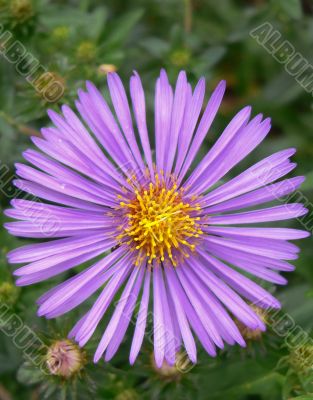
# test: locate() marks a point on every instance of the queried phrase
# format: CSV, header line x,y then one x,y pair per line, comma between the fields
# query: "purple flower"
x,y
151,226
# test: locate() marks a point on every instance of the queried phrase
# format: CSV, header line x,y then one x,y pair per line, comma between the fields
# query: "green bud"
x,y
301,358
86,51
8,293
128,394
180,58
21,10
60,33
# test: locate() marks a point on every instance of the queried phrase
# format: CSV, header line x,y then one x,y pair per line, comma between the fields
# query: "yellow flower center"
x,y
160,223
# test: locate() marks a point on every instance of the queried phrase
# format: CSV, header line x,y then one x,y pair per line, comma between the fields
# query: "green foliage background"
x,y
206,38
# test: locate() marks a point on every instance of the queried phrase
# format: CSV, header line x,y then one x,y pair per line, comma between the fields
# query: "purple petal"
x,y
192,112
236,124
262,173
139,107
176,293
278,213
268,233
204,125
141,320
111,328
163,110
158,318
121,107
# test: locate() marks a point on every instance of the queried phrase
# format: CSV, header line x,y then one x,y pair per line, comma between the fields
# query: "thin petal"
x,y
271,214
204,125
141,320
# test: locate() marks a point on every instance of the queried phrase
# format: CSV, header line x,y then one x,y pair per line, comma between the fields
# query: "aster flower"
x,y
151,227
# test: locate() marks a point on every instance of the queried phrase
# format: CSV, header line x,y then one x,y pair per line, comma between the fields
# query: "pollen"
x,y
159,224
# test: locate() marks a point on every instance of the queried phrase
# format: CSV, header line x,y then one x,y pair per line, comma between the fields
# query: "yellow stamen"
x,y
159,221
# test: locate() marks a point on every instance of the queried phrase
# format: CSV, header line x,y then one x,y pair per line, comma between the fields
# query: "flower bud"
x,y
180,58
252,334
8,293
86,51
301,358
104,69
60,33
128,394
167,372
21,10
64,358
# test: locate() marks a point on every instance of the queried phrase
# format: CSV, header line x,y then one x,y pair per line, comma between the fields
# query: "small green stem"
x,y
188,15
26,130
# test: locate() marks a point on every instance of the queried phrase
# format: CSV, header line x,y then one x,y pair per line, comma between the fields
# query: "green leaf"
x,y
155,46
308,183
242,377
10,356
121,27
97,22
213,55
28,374
62,15
292,8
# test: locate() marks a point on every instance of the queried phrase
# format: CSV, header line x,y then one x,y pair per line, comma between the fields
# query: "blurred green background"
x,y
79,40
